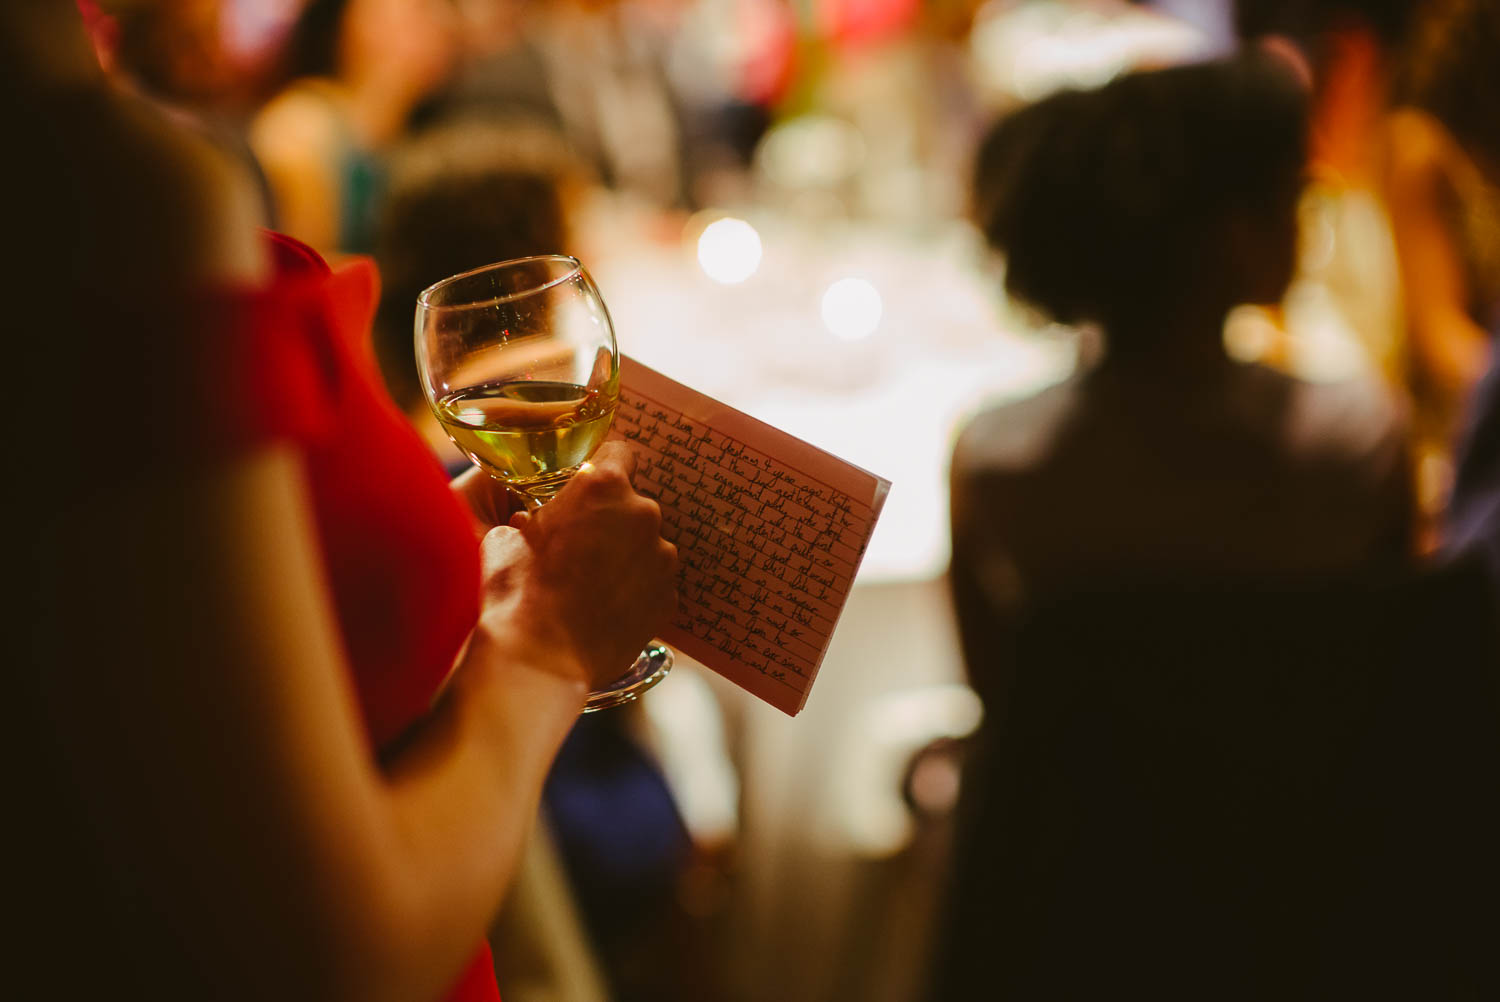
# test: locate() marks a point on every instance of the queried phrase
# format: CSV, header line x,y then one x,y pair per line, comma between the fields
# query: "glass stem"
x,y
536,493
530,501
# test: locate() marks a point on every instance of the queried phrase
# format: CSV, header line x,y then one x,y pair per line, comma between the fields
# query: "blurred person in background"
x,y
1444,143
207,63
359,68
607,70
1350,51
1399,111
287,709
1150,208
1212,777
210,55
1462,87
596,70
1397,245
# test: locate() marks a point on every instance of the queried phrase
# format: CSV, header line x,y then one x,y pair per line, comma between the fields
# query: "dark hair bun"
x,y
1105,202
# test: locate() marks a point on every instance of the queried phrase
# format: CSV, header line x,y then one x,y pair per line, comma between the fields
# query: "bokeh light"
x,y
729,250
852,309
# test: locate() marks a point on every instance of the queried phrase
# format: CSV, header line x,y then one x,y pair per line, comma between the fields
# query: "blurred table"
x,y
829,902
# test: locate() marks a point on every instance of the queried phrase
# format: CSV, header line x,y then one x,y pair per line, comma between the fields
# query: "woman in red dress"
x,y
285,706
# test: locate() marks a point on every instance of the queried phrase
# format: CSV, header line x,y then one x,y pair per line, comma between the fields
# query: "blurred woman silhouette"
x,y
1149,208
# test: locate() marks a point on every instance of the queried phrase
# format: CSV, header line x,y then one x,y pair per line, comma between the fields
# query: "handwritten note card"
x,y
769,531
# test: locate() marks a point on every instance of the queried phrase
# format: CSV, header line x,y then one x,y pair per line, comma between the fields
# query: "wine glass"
x,y
518,362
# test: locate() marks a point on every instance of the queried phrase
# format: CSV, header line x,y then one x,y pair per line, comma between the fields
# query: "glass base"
x,y
650,668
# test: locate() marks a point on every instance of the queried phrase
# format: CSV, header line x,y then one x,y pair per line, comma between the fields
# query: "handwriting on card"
x,y
769,531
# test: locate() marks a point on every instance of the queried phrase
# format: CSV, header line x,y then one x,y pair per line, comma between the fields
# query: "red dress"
x,y
399,548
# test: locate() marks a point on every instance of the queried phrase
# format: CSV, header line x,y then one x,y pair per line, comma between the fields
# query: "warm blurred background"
x,y
775,198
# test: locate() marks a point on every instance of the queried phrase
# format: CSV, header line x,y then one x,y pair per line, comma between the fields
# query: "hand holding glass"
x,y
518,361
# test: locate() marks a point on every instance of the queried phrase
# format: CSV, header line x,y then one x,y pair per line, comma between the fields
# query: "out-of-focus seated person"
x,y
358,69
1149,208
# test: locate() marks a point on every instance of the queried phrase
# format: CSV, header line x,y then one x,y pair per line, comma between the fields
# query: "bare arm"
x,y
217,703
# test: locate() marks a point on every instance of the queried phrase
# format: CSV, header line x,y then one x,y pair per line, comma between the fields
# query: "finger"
x,y
618,455
500,535
500,546
519,519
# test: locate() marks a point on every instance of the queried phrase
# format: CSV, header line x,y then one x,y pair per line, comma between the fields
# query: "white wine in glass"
x,y
519,363
530,433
